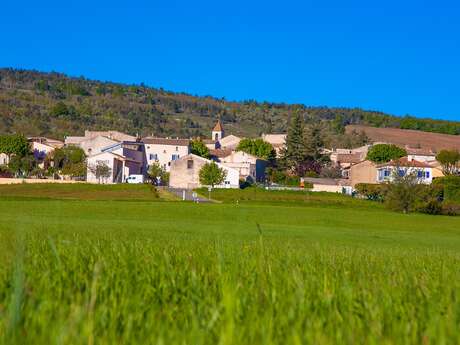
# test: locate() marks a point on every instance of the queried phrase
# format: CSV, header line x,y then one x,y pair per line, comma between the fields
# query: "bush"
x,y
371,191
431,206
450,186
450,208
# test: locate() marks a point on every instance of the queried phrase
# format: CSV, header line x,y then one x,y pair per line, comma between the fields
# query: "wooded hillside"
x,y
55,105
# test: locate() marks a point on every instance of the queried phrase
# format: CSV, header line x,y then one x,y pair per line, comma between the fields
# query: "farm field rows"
x,y
316,270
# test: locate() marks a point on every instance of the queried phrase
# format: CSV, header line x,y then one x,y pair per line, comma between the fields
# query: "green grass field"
x,y
319,270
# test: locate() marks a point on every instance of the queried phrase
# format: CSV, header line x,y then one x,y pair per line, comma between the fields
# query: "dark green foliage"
x,y
15,144
68,155
382,153
197,147
157,174
211,174
450,186
28,100
371,191
449,160
22,165
258,148
280,177
294,153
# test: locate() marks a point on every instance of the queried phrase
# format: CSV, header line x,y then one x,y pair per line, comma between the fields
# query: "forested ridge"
x,y
56,105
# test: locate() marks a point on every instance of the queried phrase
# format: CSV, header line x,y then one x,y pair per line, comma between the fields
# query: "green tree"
x,y
449,160
314,143
68,155
59,109
15,144
293,155
22,165
403,192
197,147
382,153
101,170
257,147
76,170
211,174
158,174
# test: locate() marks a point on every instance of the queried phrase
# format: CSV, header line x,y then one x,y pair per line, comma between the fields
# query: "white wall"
x,y
164,153
408,170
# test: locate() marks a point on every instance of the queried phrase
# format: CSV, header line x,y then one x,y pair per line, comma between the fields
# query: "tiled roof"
x,y
404,162
166,141
218,127
349,158
219,153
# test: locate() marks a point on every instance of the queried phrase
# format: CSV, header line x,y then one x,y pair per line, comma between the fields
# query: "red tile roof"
x,y
349,158
404,162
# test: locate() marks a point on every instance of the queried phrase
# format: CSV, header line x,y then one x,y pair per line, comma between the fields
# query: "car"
x,y
136,179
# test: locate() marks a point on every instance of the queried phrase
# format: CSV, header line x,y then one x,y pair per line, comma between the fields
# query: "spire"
x,y
218,127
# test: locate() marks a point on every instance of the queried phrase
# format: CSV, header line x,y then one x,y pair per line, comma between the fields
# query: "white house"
x,y
420,154
123,159
185,173
249,166
165,150
403,166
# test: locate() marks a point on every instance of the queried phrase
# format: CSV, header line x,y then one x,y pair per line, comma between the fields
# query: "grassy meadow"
x,y
84,267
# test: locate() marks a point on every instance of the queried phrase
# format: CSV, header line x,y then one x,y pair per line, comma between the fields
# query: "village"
x,y
113,157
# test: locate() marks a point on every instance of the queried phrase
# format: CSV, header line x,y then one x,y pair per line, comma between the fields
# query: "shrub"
x,y
450,186
450,208
431,206
371,191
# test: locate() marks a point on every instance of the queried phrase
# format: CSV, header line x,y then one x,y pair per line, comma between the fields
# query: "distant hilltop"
x,y
56,105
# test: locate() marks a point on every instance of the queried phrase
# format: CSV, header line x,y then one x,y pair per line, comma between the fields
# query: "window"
x,y
153,157
427,174
177,148
386,173
174,157
190,164
401,172
420,174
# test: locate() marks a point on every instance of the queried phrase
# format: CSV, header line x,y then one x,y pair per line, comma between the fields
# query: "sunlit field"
x,y
315,269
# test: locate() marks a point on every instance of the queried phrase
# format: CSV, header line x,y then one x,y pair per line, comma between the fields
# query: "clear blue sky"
x,y
401,57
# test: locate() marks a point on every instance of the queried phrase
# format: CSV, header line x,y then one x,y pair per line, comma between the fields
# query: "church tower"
x,y
218,131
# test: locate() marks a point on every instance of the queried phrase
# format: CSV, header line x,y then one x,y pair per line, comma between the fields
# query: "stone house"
x,y
185,173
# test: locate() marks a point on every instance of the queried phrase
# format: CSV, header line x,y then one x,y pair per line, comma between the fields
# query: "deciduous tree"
x,y
211,174
449,160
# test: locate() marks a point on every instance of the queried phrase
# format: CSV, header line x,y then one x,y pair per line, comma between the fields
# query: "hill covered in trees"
x,y
55,105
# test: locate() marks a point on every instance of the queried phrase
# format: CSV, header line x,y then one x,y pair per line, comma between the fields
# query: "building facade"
x,y
165,150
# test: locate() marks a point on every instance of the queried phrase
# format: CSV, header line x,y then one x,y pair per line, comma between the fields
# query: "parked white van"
x,y
135,179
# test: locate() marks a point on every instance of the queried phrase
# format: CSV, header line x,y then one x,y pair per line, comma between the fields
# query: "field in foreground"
x,y
105,272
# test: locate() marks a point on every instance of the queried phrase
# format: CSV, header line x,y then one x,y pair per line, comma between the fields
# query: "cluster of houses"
x,y
127,155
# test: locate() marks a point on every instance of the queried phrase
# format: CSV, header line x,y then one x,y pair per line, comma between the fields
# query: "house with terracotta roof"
x,y
165,150
403,166
370,172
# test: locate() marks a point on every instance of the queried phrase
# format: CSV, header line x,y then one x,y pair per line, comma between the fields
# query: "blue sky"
x,y
401,57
